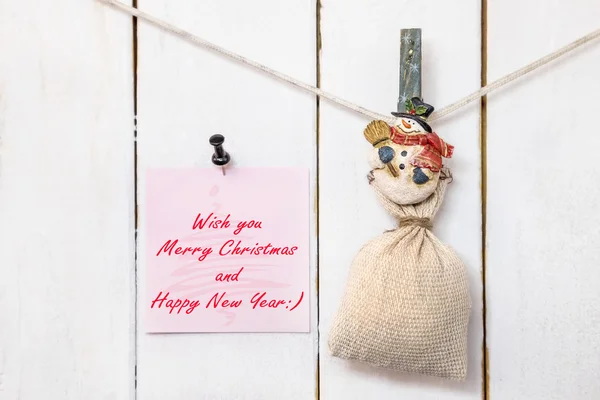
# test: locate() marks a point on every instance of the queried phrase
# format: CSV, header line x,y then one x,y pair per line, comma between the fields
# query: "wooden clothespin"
x,y
410,66
410,86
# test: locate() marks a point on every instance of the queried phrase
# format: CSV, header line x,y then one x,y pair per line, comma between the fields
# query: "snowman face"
x,y
408,125
411,184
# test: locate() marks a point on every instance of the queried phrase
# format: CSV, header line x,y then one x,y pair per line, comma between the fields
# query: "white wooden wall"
x,y
72,179
543,241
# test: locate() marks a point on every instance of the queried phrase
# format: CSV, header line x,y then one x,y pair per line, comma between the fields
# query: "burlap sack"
x,y
406,304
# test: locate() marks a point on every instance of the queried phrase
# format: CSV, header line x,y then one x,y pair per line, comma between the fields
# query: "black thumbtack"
x,y
221,157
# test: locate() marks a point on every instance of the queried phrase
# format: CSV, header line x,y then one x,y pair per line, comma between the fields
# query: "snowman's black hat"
x,y
417,110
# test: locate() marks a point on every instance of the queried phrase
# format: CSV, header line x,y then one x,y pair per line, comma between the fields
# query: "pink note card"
x,y
227,253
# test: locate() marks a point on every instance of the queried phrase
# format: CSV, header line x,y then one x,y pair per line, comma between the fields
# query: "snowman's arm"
x,y
374,160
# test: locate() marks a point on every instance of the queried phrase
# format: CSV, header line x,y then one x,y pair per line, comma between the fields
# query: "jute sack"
x,y
406,304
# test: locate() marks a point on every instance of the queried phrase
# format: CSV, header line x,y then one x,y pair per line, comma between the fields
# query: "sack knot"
x,y
415,221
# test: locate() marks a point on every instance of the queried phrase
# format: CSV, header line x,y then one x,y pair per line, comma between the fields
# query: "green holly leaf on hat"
x,y
409,105
420,110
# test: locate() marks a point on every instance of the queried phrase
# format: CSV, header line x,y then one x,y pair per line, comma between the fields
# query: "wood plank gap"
x,y
317,128
483,144
134,24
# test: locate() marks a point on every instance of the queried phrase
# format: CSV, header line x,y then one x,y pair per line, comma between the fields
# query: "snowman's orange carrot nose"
x,y
406,124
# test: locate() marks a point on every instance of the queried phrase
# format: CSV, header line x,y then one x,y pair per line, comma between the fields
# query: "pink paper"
x,y
247,273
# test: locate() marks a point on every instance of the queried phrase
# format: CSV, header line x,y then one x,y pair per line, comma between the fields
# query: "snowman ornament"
x,y
406,305
406,159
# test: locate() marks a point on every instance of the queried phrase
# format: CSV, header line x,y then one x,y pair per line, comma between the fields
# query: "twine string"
x,y
335,99
415,221
497,84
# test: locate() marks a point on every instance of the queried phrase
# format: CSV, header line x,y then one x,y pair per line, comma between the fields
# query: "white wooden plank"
x,y
542,250
185,95
66,201
360,53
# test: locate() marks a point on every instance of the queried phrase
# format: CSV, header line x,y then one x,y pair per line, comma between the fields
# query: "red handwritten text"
x,y
258,300
221,277
231,247
218,300
215,222
169,247
176,304
248,224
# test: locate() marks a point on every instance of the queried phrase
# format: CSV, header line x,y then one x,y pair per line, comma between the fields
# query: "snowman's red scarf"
x,y
433,150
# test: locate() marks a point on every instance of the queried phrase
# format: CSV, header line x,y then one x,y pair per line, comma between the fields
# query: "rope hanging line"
x,y
354,107
497,84
195,39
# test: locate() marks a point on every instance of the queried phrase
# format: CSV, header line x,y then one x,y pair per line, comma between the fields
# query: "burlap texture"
x,y
406,304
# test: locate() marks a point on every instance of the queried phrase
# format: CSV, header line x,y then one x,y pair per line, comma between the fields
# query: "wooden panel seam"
x,y
134,23
318,149
483,145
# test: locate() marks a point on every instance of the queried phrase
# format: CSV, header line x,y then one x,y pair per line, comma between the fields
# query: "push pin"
x,y
221,157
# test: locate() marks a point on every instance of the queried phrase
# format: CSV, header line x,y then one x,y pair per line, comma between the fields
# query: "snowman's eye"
x,y
386,154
